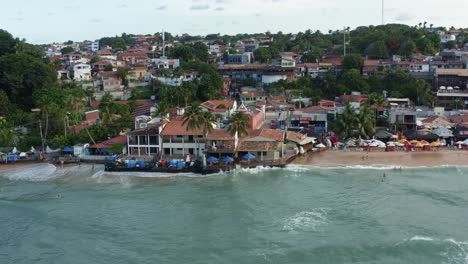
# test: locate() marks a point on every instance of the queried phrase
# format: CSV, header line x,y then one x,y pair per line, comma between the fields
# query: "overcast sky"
x,y
45,21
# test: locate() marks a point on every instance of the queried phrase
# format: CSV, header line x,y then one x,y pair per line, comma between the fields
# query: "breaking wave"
x,y
34,173
455,251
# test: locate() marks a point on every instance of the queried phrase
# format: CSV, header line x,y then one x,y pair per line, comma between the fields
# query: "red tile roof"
x,y
353,98
318,108
294,136
92,116
459,118
176,128
110,142
214,105
220,134
273,134
372,63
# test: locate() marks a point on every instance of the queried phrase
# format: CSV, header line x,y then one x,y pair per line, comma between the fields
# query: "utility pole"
x,y
345,41
163,43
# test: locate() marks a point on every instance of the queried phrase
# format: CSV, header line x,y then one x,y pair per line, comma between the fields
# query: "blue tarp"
x,y
248,156
228,159
180,165
67,149
12,157
131,164
212,159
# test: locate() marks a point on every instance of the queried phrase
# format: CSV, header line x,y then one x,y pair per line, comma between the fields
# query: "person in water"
x,y
383,177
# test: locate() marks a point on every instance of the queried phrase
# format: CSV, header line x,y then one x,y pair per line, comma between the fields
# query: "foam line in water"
x,y
34,173
421,238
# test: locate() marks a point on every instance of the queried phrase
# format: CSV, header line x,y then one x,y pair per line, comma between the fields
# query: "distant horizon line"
x,y
326,32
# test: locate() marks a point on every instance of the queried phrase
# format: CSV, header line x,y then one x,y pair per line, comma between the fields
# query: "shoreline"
x,y
381,159
339,159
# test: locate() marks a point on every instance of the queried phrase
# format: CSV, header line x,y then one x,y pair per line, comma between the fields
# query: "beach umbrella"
x,y
248,156
425,143
391,144
414,141
459,143
321,146
435,144
406,143
466,142
228,159
419,145
212,159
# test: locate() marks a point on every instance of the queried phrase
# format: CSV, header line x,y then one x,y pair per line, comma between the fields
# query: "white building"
x,y
82,72
179,142
93,46
165,63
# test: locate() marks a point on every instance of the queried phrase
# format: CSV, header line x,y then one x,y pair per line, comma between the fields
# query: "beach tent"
x,y
49,150
321,146
228,159
67,150
212,159
248,156
383,134
443,132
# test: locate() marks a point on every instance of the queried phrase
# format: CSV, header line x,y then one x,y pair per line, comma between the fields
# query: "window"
x,y
154,140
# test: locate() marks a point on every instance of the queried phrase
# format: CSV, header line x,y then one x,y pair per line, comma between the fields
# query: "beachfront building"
x,y
178,142
220,143
145,141
265,144
403,118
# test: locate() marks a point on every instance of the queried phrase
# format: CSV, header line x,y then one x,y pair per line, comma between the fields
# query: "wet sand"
x,y
341,158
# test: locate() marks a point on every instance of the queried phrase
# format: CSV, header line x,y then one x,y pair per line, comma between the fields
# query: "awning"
x,y
307,140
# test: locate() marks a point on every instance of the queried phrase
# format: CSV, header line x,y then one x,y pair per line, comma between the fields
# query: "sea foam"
x,y
307,220
34,173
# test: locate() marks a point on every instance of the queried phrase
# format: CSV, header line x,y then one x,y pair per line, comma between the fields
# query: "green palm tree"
x,y
346,121
7,134
192,117
365,122
196,119
239,123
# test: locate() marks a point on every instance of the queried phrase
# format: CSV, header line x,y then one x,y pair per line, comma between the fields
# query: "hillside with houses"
x,y
273,96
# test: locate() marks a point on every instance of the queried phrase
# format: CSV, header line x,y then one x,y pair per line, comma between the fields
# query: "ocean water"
x,y
292,215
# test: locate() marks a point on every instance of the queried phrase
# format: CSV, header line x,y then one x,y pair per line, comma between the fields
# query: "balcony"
x,y
220,149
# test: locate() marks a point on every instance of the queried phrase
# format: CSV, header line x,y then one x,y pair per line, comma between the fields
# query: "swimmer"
x,y
383,177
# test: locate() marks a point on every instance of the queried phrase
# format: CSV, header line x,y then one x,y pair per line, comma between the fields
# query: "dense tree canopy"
x,y
21,75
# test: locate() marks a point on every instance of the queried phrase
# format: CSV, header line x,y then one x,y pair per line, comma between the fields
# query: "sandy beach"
x,y
341,158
